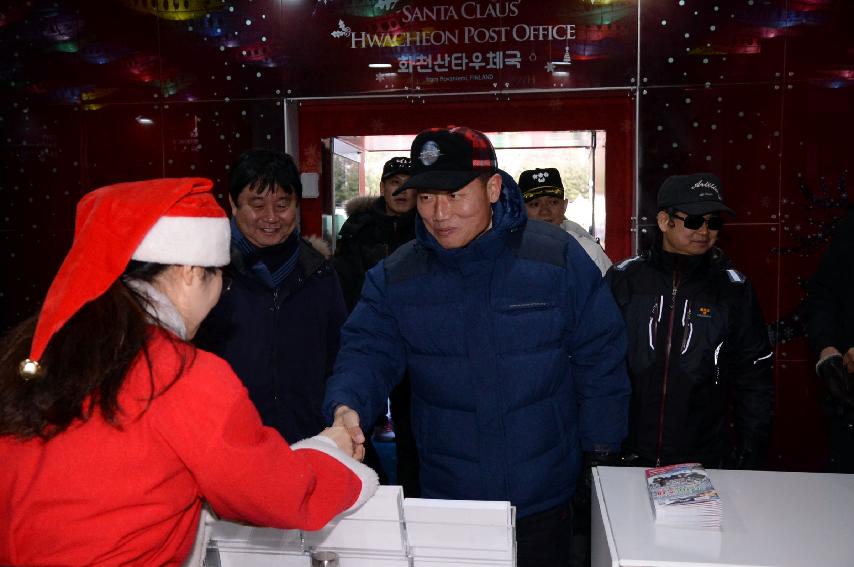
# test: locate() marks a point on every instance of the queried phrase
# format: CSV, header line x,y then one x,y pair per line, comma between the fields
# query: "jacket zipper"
x,y
274,355
667,350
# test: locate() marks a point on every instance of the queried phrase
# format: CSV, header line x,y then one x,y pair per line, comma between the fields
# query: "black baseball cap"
x,y
695,194
540,183
448,159
397,165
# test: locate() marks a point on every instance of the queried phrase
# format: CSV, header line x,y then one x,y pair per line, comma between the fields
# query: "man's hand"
x,y
342,438
348,418
834,370
848,360
584,487
827,352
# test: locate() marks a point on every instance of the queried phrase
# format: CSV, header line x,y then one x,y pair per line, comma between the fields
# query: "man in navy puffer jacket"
x,y
278,321
514,346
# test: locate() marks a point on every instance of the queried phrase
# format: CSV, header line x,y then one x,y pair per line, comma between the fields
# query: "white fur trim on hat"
x,y
187,241
366,474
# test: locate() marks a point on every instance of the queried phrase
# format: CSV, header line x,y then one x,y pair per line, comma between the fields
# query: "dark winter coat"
x,y
280,341
696,341
515,351
368,236
830,301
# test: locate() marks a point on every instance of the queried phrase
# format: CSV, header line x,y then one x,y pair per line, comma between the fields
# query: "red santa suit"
x,y
101,495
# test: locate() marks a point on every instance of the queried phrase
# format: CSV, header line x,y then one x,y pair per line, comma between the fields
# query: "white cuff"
x,y
366,474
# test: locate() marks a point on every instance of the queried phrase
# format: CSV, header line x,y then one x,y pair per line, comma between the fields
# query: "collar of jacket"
x,y
309,262
361,204
378,207
713,259
508,216
309,259
286,253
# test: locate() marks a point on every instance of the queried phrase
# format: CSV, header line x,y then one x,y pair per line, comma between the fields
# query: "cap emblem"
x,y
702,184
540,176
429,153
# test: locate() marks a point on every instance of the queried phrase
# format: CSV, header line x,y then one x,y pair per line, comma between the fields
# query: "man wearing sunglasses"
x,y
697,340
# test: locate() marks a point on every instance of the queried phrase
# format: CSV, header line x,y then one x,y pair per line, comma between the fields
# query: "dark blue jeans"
x,y
545,539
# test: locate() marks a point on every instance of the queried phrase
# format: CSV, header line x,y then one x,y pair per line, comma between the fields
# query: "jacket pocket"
x,y
529,306
703,326
533,325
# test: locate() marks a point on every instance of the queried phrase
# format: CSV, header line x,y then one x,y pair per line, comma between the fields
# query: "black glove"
x,y
840,384
600,459
581,498
631,459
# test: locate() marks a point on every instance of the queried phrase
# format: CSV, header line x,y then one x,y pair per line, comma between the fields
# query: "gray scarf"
x,y
161,311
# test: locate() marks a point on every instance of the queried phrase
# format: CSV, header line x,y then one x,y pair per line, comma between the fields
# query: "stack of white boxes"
x,y
387,531
441,533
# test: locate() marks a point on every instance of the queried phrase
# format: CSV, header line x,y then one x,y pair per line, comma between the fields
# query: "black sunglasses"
x,y
694,222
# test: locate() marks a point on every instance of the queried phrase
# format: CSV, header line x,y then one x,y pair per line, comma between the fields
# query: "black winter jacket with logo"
x,y
697,342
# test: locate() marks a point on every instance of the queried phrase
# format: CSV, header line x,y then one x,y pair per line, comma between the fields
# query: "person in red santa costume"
x,y
114,430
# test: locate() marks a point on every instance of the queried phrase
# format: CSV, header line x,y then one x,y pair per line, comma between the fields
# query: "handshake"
x,y
347,433
837,372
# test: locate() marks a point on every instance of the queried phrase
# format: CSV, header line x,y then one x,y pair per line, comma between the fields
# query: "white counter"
x,y
770,519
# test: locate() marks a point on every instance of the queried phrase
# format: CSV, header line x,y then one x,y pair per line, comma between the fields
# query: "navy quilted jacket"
x,y
515,349
281,341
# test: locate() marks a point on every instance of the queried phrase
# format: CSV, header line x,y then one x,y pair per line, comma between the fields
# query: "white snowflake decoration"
x,y
550,67
342,31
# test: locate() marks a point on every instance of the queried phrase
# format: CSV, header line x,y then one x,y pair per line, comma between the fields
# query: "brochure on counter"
x,y
683,495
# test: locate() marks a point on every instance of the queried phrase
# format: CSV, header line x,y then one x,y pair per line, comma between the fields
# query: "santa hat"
x,y
167,221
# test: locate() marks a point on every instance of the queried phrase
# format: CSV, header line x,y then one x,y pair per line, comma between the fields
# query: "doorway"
x,y
596,131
